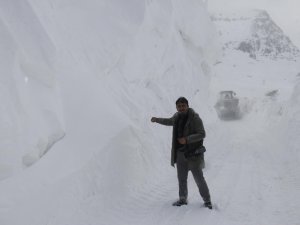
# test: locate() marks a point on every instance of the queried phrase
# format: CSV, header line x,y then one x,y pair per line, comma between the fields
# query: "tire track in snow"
x,y
153,203
149,203
251,175
232,181
281,183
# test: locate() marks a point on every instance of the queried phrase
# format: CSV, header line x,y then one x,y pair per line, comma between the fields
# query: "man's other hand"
x,y
182,140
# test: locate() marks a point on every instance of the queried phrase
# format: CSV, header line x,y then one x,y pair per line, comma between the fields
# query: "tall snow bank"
x,y
281,119
114,71
293,124
31,120
171,55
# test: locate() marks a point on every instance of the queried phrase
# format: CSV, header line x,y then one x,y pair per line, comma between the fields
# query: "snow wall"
x,y
88,76
31,115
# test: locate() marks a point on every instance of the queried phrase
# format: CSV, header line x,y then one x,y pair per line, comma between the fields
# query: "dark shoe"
x,y
180,202
208,205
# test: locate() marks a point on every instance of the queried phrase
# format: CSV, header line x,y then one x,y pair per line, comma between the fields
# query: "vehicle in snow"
x,y
227,106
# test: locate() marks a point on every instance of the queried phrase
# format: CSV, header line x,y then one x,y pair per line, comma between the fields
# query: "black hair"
x,y
182,100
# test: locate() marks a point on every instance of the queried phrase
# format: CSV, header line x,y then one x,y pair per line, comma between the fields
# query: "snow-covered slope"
x,y
89,75
254,32
30,123
99,69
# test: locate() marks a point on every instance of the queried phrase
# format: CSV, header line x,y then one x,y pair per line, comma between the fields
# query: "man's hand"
x,y
182,140
153,119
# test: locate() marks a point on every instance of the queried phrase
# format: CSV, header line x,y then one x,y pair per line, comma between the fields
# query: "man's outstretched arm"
x,y
164,121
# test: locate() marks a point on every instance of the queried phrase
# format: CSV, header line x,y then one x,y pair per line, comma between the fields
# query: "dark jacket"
x,y
193,131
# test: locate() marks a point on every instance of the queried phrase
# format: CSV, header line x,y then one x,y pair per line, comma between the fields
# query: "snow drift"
x,y
91,74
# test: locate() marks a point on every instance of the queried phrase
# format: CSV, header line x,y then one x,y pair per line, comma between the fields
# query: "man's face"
x,y
182,107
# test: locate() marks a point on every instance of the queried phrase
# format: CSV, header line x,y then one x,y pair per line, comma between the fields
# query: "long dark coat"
x,y
193,131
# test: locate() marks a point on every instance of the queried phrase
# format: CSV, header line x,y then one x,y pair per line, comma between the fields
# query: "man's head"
x,y
182,105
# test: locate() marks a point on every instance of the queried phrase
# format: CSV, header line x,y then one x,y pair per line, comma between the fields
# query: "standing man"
x,y
187,149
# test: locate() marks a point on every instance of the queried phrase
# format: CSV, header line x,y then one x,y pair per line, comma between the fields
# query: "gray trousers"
x,y
194,165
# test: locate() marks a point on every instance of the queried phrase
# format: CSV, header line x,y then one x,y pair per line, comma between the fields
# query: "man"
x,y
187,149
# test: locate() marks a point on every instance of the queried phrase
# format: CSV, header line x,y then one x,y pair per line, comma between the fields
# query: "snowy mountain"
x,y
254,47
260,36
80,81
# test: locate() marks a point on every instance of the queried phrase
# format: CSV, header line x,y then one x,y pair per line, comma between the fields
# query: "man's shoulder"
x,y
194,115
192,112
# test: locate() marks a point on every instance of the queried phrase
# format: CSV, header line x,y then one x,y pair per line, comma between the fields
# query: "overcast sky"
x,y
286,13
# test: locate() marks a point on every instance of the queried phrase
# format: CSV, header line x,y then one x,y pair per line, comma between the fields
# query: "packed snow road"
x,y
249,175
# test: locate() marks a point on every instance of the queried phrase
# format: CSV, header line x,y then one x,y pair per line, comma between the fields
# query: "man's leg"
x,y
182,175
201,183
